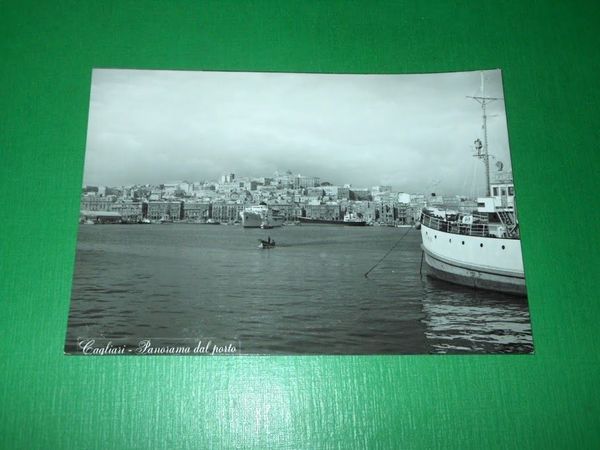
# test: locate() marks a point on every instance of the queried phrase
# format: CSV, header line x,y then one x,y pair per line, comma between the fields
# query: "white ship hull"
x,y
481,249
479,262
251,220
256,220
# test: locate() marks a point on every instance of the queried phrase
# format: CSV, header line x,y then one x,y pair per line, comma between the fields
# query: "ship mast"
x,y
482,150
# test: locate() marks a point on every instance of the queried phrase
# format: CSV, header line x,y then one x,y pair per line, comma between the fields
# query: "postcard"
x,y
237,213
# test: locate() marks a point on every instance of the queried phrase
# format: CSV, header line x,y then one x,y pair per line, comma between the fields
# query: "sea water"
x,y
309,295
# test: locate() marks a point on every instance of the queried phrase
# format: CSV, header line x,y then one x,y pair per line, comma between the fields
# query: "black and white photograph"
x,y
247,213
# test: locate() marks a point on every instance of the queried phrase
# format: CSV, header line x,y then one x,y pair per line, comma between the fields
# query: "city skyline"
x,y
412,132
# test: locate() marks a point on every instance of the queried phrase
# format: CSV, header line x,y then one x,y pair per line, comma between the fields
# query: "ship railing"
x,y
454,227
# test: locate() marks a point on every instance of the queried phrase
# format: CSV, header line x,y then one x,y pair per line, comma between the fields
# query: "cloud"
x,y
404,130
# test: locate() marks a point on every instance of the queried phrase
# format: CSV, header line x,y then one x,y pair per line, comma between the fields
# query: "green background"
x,y
549,54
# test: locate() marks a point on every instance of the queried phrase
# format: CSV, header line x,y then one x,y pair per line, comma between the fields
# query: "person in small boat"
x,y
269,240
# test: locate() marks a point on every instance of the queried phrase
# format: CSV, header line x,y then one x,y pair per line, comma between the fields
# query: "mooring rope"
x,y
388,252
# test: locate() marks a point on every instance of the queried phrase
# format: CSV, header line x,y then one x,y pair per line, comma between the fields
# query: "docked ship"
x,y
350,219
481,248
261,216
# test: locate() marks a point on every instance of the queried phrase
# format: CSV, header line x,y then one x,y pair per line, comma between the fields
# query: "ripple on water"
x,y
309,295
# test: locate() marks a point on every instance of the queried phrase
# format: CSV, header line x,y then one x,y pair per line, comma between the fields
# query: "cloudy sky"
x,y
414,132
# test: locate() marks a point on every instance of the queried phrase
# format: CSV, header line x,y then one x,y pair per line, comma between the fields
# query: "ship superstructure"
x,y
261,216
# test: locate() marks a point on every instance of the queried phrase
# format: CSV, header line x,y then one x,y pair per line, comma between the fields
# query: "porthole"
x,y
450,240
463,242
481,245
503,247
435,237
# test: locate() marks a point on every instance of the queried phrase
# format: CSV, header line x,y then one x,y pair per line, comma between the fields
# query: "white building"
x,y
403,197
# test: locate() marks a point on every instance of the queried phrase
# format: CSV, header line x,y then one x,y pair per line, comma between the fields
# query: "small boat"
x,y
266,244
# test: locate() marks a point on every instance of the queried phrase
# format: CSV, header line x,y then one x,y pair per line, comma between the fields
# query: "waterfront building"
x,y
366,210
96,203
129,210
291,195
403,214
226,211
387,212
159,210
326,211
193,210
416,205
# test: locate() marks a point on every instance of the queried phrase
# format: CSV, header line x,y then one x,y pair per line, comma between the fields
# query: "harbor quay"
x,y
292,197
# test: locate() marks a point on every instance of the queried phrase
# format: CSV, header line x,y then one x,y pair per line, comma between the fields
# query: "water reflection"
x,y
463,320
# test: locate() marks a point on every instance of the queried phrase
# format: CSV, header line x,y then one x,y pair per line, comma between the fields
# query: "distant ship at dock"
x,y
349,220
261,216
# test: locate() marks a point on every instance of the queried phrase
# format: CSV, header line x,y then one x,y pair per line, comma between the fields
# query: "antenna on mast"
x,y
482,149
